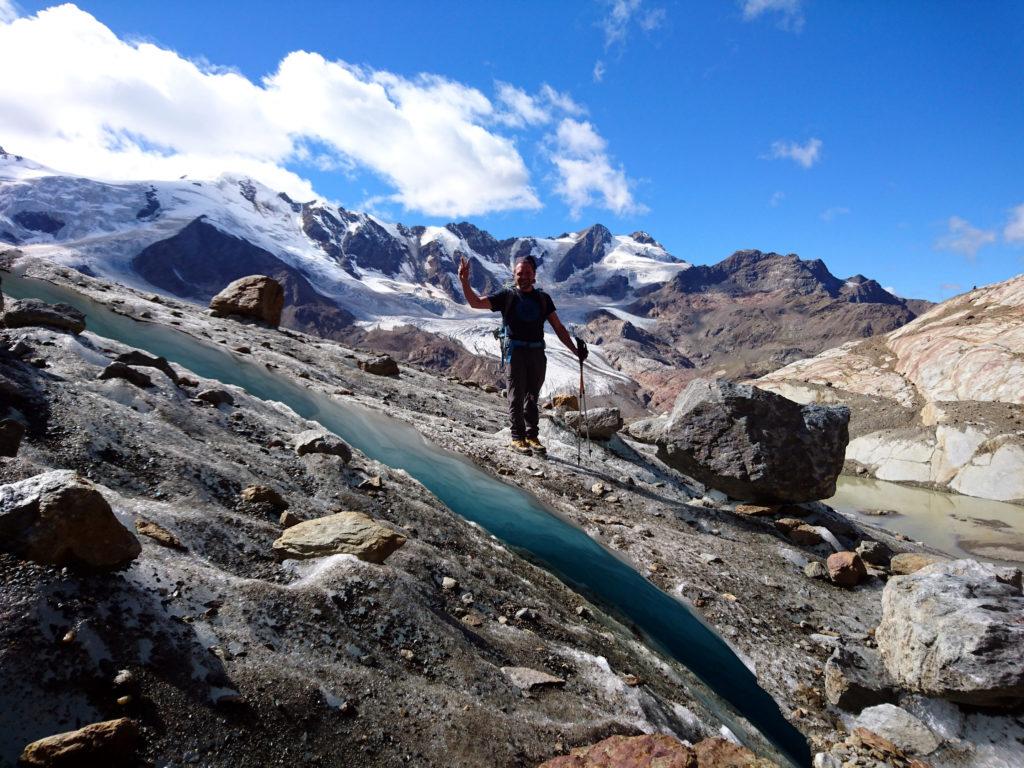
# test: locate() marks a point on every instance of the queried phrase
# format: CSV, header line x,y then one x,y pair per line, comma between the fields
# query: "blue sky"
x,y
884,138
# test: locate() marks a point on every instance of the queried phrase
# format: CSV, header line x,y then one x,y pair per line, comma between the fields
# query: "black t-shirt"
x,y
524,313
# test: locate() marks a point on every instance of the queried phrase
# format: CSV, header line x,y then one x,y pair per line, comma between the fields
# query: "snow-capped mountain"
x,y
340,268
350,274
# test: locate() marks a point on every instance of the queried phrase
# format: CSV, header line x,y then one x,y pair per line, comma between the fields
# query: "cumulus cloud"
x,y
963,238
1014,230
804,154
586,174
789,13
831,214
521,107
83,100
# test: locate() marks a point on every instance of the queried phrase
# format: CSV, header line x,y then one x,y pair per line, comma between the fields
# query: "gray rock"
x,y
875,553
315,441
256,296
528,679
855,678
955,630
22,313
126,372
350,533
816,570
647,430
900,727
58,518
11,433
142,360
216,397
603,423
750,443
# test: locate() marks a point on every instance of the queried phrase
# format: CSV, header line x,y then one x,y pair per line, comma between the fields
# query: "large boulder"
x,y
110,743
256,296
350,533
22,313
956,630
751,443
602,423
58,518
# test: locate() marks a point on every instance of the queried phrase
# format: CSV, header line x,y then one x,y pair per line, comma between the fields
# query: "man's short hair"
x,y
528,259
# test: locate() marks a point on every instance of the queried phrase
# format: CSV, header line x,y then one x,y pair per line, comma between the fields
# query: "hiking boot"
x,y
521,446
536,445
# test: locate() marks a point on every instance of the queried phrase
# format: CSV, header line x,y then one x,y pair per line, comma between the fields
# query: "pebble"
x,y
524,613
709,558
448,583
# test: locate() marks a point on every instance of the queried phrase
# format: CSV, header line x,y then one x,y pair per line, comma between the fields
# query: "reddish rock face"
x,y
629,752
846,569
659,751
256,296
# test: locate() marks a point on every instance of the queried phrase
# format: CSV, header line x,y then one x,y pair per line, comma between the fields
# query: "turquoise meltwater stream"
x,y
510,514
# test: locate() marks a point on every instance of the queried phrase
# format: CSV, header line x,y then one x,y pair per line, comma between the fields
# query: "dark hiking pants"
x,y
525,378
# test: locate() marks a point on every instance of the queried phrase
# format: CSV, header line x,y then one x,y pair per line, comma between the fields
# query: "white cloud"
x,y
963,238
77,98
831,214
586,175
791,15
776,199
1014,230
8,11
806,155
652,19
522,108
561,101
599,69
624,14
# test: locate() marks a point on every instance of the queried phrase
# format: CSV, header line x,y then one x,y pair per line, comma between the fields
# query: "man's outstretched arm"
x,y
476,302
562,334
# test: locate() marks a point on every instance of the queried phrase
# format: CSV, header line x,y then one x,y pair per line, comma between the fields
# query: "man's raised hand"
x,y
464,269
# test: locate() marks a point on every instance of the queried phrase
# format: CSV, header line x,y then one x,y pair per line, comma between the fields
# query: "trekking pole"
x,y
585,425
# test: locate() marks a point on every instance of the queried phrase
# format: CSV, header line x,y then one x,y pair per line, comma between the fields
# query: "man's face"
x,y
524,276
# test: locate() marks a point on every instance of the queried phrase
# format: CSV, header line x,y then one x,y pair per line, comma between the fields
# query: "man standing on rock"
x,y
524,310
